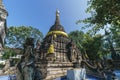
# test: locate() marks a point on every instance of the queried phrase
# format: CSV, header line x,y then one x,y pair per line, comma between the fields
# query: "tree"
x,y
16,36
8,53
115,34
103,12
93,46
90,45
77,37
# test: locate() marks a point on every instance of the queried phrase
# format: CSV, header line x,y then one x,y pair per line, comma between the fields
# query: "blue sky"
x,y
41,13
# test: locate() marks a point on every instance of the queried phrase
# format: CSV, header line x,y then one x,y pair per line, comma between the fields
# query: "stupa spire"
x,y
57,21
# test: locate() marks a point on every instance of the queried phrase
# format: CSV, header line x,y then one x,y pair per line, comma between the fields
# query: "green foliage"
x,y
115,34
77,37
92,45
103,12
16,36
8,53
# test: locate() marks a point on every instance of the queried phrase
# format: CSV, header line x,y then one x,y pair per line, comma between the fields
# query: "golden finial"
x,y
57,12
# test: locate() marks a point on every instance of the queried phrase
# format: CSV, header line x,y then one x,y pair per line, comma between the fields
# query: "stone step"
x,y
56,72
51,77
55,65
56,69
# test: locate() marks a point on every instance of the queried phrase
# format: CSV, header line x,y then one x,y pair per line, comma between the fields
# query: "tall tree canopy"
x,y
115,35
90,45
77,37
103,12
93,46
16,35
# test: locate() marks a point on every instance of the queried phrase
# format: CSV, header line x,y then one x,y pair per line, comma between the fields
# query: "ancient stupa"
x,y
57,52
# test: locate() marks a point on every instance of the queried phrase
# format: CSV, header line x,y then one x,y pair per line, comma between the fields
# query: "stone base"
x,y
76,74
9,71
54,70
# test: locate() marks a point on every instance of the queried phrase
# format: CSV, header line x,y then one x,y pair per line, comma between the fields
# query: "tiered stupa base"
x,y
54,70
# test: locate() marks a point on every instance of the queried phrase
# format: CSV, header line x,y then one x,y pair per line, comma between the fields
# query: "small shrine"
x,y
57,53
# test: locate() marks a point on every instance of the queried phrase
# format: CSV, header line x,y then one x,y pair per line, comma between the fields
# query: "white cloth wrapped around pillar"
x,y
76,74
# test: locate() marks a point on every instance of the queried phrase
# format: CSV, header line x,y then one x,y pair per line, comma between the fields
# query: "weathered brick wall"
x,y
54,70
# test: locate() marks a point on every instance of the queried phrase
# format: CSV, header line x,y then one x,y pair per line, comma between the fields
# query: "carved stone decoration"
x,y
38,44
26,67
3,16
3,27
0,2
2,32
73,53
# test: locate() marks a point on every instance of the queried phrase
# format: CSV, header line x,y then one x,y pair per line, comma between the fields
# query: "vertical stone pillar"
x,y
3,27
60,50
0,2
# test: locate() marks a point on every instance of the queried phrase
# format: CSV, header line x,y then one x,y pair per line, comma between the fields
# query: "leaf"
x,y
16,35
